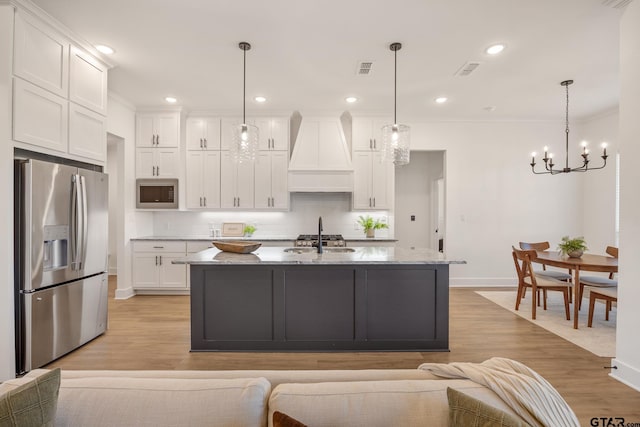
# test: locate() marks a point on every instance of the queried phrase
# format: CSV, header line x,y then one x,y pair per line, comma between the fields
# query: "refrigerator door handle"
x,y
75,221
85,222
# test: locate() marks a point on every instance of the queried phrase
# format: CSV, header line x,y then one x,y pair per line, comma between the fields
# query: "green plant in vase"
x,y
249,230
574,248
370,225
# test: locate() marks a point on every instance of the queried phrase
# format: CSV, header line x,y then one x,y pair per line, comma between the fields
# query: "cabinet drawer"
x,y
193,247
159,246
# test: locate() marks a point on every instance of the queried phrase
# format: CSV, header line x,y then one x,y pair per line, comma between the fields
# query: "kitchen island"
x,y
354,299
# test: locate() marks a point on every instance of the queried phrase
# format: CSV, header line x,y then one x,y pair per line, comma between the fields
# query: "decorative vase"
x,y
575,254
371,233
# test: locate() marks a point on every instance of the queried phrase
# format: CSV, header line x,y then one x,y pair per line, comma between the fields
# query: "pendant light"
x,y
548,157
244,144
395,137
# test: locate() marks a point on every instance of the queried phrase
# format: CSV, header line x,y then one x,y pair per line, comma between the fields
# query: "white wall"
x,y
627,344
7,341
121,122
112,170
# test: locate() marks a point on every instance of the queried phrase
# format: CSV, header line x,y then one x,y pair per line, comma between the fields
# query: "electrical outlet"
x,y
356,226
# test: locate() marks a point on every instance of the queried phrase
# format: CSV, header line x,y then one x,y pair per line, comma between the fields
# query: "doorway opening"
x,y
114,168
420,201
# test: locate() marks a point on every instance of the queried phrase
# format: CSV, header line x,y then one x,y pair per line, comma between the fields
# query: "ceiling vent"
x,y
467,69
616,4
365,68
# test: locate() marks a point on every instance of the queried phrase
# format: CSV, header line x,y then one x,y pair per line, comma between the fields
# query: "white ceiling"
x,y
305,54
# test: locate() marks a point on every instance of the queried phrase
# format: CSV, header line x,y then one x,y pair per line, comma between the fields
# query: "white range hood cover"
x,y
321,159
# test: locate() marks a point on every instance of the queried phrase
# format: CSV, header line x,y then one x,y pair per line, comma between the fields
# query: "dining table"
x,y
587,262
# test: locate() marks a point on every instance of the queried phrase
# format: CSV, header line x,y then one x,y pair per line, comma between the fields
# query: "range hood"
x,y
321,159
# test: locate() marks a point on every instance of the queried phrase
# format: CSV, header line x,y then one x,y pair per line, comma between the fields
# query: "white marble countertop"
x,y
360,255
250,239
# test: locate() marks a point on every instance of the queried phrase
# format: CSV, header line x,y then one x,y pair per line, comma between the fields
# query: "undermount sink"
x,y
310,250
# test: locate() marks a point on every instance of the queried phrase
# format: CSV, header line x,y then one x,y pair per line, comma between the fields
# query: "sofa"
x,y
379,397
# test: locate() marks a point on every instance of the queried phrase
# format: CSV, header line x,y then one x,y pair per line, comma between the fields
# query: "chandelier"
x,y
548,157
395,137
244,144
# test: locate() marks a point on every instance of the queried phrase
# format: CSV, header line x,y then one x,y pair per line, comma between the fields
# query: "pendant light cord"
x,y
244,85
395,85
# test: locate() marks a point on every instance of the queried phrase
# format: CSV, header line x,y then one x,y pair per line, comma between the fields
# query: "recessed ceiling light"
x,y
107,50
351,99
441,99
171,99
495,49
260,99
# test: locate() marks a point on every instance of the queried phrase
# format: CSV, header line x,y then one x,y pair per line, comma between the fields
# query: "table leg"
x,y
576,295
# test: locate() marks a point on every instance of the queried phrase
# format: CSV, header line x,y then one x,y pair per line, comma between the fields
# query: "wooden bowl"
x,y
237,247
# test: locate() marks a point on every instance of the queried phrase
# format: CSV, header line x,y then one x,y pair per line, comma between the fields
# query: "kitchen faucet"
x,y
320,235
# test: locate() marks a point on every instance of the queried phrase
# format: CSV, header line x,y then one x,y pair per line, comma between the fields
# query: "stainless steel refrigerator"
x,y
61,244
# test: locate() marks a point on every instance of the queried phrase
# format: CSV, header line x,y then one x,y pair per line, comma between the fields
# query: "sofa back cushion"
x,y
104,401
404,403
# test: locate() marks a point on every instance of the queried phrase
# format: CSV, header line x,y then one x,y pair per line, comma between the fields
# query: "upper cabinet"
x,y
203,133
228,126
158,129
87,133
41,55
87,81
273,133
367,133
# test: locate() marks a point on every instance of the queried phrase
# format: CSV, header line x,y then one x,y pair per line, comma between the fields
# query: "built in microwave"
x,y
157,194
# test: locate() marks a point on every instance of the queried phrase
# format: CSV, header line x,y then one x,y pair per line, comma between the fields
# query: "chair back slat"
x,y
613,251
522,260
538,246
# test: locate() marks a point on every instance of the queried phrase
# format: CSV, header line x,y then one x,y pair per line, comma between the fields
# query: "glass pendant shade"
x,y
244,146
396,144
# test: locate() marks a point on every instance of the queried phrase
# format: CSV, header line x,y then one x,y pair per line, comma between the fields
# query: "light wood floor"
x,y
152,332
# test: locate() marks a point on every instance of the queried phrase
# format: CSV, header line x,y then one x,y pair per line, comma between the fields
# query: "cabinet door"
x,y
381,182
172,275
362,138
41,56
39,117
87,81
262,199
212,133
195,134
280,134
280,180
145,163
87,133
264,133
145,131
228,173
167,162
194,185
376,131
362,180
244,184
227,128
211,179
167,127
145,270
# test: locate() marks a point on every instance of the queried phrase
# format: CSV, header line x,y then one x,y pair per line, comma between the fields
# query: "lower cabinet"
x,y
153,268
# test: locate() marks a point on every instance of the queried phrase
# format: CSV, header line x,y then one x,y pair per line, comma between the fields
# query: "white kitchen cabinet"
x,y
39,117
273,133
152,267
271,177
203,133
373,181
41,55
157,162
367,133
203,179
236,183
87,133
87,81
158,130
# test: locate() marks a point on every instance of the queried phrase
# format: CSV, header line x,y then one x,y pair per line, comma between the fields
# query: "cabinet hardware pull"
x,y
238,201
201,143
205,201
153,170
200,201
374,202
153,140
157,139
156,259
158,247
158,170
205,142
375,144
160,259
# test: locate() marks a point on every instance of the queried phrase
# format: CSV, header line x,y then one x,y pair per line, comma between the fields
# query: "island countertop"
x,y
360,255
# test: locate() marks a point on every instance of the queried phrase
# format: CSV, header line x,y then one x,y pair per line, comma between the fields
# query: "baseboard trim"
x,y
482,282
124,293
626,374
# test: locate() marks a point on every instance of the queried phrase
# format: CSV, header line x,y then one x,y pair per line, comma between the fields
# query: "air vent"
x,y
364,68
467,69
616,4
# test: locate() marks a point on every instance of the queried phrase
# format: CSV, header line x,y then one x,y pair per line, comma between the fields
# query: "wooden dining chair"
x,y
599,281
609,295
527,279
553,274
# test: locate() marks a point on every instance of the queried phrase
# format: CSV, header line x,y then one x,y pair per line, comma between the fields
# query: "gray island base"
x,y
372,299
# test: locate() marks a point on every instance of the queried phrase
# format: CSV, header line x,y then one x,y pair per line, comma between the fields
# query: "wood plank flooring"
x,y
152,332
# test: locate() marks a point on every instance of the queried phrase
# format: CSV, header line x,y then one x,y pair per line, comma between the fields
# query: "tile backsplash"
x,y
302,218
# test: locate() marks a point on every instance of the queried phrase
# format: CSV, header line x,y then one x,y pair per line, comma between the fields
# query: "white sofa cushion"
x,y
404,403
102,401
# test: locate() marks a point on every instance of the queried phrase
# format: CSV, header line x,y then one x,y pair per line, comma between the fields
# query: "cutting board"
x,y
232,229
